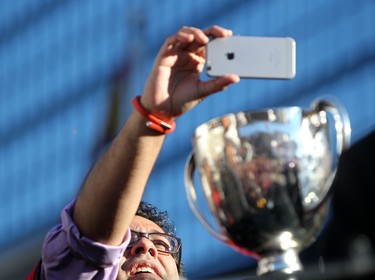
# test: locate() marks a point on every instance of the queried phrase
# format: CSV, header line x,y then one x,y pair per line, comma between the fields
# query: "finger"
x,y
195,34
190,38
217,31
187,35
209,87
201,37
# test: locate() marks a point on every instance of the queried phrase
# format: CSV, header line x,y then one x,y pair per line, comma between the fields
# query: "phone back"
x,y
252,57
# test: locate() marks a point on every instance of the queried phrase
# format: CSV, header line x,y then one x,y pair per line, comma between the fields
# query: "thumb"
x,y
207,88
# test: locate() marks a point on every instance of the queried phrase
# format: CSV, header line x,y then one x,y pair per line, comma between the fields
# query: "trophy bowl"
x,y
266,178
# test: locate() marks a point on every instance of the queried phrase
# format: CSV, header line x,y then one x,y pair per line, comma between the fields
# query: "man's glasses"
x,y
163,243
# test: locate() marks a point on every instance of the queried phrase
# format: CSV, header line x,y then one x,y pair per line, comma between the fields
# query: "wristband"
x,y
153,122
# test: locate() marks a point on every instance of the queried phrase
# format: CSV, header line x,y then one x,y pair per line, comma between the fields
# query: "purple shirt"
x,y
66,254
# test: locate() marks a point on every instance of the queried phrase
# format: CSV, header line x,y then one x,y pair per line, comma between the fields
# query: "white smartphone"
x,y
252,57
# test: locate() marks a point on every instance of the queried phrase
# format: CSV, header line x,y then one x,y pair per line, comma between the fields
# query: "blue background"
x,y
68,70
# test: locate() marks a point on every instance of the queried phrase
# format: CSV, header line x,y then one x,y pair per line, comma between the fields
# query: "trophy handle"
x,y
193,200
343,133
341,119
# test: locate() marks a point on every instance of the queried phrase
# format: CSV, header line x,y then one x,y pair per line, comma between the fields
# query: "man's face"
x,y
143,260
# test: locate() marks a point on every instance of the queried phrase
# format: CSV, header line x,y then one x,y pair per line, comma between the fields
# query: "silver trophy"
x,y
266,177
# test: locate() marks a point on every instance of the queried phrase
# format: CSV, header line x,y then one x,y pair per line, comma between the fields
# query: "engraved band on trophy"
x,y
266,177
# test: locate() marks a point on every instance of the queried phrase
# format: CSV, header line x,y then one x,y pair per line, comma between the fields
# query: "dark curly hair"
x,y
161,218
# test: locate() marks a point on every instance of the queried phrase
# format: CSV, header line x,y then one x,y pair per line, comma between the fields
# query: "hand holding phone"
x,y
252,57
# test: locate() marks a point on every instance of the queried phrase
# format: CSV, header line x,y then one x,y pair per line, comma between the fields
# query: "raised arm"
x,y
113,188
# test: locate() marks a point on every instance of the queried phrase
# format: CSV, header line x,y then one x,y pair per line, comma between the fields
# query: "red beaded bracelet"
x,y
153,122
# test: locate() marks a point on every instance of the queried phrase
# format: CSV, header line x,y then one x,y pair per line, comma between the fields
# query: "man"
x,y
347,244
101,237
350,231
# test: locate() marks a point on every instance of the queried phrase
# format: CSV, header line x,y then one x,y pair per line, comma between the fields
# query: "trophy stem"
x,y
284,262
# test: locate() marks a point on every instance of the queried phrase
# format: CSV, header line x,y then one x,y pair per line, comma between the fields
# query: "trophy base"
x,y
286,262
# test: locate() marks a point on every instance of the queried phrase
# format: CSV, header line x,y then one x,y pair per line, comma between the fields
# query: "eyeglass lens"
x,y
161,241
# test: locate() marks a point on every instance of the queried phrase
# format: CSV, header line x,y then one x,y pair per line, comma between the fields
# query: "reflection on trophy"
x,y
266,177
